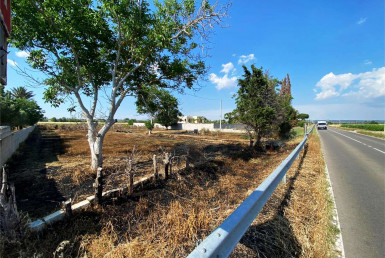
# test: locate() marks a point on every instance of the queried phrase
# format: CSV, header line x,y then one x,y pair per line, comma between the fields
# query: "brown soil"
x,y
53,165
167,219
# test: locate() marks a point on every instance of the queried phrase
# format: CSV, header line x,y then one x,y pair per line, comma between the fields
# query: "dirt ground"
x,y
168,218
53,165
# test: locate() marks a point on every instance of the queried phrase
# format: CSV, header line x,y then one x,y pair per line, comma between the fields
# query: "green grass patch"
x,y
369,127
297,132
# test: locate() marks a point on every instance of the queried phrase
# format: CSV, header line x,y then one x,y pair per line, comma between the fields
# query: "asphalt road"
x,y
356,165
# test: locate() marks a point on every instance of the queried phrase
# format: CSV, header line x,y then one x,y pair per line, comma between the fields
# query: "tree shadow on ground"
x,y
275,238
36,193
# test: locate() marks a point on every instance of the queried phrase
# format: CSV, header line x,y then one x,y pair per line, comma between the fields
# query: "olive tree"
x,y
89,47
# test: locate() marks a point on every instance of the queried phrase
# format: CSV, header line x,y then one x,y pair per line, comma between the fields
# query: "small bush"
x,y
301,123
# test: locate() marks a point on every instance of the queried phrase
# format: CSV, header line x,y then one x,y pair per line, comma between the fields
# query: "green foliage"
x,y
256,103
264,110
131,121
232,117
302,116
149,125
160,104
121,46
202,120
369,127
19,112
287,116
21,92
77,42
301,123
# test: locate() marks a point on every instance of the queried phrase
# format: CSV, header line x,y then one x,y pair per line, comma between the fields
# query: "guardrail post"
x,y
305,128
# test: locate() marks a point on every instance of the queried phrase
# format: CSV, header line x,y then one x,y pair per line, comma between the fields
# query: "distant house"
x,y
188,119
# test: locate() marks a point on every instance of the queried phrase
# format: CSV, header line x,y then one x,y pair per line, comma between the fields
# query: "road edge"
x,y
339,244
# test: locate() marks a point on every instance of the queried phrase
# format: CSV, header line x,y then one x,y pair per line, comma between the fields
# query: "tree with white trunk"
x,y
86,48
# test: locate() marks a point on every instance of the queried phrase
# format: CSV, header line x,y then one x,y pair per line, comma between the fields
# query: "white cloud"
x,y
23,54
368,62
227,67
11,62
243,59
223,82
361,21
363,85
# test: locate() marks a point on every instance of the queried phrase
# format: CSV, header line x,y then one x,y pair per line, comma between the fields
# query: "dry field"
x,y
168,218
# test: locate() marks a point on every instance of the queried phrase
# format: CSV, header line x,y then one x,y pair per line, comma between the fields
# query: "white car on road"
x,y
322,125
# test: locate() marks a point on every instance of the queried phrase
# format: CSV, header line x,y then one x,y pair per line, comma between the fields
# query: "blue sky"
x,y
334,52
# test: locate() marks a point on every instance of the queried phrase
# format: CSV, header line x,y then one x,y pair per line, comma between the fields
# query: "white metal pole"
x,y
220,120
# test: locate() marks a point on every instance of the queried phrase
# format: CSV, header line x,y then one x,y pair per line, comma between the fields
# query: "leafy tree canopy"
x,y
21,92
303,116
18,111
160,104
256,102
119,46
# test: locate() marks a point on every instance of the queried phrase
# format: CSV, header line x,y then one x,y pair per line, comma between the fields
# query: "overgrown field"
x,y
168,218
369,127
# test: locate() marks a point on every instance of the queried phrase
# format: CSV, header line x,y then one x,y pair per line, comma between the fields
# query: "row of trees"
x,y
17,108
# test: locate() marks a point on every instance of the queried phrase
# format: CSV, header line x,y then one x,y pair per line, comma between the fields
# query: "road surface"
x,y
356,165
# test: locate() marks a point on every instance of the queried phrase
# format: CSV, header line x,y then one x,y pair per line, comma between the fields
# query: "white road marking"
x,y
379,150
357,141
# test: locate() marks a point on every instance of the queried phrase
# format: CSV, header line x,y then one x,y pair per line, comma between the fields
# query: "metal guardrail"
x,y
222,241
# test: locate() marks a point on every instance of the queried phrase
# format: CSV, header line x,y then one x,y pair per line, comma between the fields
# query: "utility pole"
x,y
220,120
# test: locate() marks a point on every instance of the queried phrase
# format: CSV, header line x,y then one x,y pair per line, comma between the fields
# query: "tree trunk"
x,y
258,141
95,141
96,147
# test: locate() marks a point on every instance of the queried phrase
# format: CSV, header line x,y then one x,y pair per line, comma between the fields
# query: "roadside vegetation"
x,y
168,218
367,127
18,109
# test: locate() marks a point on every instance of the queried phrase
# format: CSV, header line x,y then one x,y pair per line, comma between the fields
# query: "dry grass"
x,y
168,218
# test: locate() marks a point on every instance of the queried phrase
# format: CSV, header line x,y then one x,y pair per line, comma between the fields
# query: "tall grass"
x,y
369,127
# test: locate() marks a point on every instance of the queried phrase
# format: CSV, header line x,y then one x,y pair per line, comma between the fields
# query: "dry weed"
x,y
168,220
